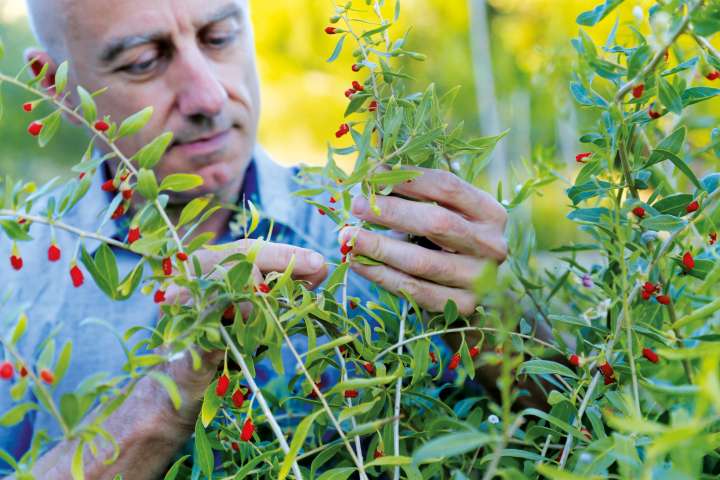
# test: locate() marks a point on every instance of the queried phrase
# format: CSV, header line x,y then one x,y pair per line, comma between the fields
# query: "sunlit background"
x,y
511,57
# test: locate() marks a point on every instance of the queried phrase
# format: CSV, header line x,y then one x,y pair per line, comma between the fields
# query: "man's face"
x,y
192,60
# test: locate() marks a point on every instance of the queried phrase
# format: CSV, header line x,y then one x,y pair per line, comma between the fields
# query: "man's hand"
x,y
309,266
466,222
146,427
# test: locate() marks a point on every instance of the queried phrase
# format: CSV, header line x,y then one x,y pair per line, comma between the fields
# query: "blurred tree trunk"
x,y
485,88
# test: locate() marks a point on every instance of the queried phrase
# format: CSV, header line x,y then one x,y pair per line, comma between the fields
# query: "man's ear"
x,y
37,59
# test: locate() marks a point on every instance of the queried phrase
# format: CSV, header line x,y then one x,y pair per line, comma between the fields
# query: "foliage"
x,y
636,394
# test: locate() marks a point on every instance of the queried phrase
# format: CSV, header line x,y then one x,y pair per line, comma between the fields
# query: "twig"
x,y
398,393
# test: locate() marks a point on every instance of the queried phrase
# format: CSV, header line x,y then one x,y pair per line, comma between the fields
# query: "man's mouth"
x,y
204,145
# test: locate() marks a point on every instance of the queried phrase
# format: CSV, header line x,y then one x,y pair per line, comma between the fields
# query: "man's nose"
x,y
199,90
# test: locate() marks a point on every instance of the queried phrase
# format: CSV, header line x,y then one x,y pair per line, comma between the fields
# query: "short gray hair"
x,y
48,20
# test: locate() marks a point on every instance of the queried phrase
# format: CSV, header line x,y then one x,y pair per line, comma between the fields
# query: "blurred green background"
x,y
512,58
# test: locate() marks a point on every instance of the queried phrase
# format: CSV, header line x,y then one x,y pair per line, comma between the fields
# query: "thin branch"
x,y
398,393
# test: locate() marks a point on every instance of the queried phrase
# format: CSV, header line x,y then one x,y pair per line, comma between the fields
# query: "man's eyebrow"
x,y
117,46
231,10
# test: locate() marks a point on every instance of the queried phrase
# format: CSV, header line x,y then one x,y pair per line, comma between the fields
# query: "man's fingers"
x,y
453,192
430,296
444,227
453,270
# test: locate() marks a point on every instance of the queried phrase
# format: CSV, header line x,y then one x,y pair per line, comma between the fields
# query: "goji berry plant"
x,y
628,365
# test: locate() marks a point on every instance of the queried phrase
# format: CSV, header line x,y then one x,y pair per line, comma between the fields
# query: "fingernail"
x,y
360,205
345,234
316,261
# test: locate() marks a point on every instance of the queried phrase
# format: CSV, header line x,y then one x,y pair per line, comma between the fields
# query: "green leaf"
x,y
51,125
16,414
698,94
390,460
669,96
147,185
663,222
674,204
87,104
192,210
590,215
135,122
393,177
14,231
450,445
181,182
170,387
203,454
175,469
592,17
298,439
19,329
61,77
76,468
210,406
63,361
544,367
70,409
337,474
337,50
150,154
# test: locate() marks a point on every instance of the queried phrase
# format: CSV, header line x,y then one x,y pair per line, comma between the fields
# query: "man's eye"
x,y
218,40
140,68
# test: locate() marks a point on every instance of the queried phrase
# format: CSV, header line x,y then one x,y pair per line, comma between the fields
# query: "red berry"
x,y
321,211
53,253
692,206
474,351
345,248
247,431
109,186
433,358
23,371
343,130
638,90
77,276
28,107
369,367
238,398
36,66
47,376
119,212
264,288
229,313
159,296
606,369
133,235
127,194
356,67
663,299
350,393
235,446
373,106
331,30
650,287
6,370
713,238
580,157
353,305
378,453
688,261
101,126
609,380
167,266
356,85
646,295
16,261
350,92
34,128
222,385
574,360
333,200
714,75
639,212
653,114
454,361
650,355
182,256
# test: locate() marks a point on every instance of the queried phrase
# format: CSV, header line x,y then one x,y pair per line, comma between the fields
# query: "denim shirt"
x,y
44,290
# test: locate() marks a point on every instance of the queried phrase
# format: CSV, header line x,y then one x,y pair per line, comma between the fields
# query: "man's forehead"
x,y
110,22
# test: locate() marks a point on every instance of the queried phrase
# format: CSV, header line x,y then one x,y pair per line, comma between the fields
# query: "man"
x,y
194,62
